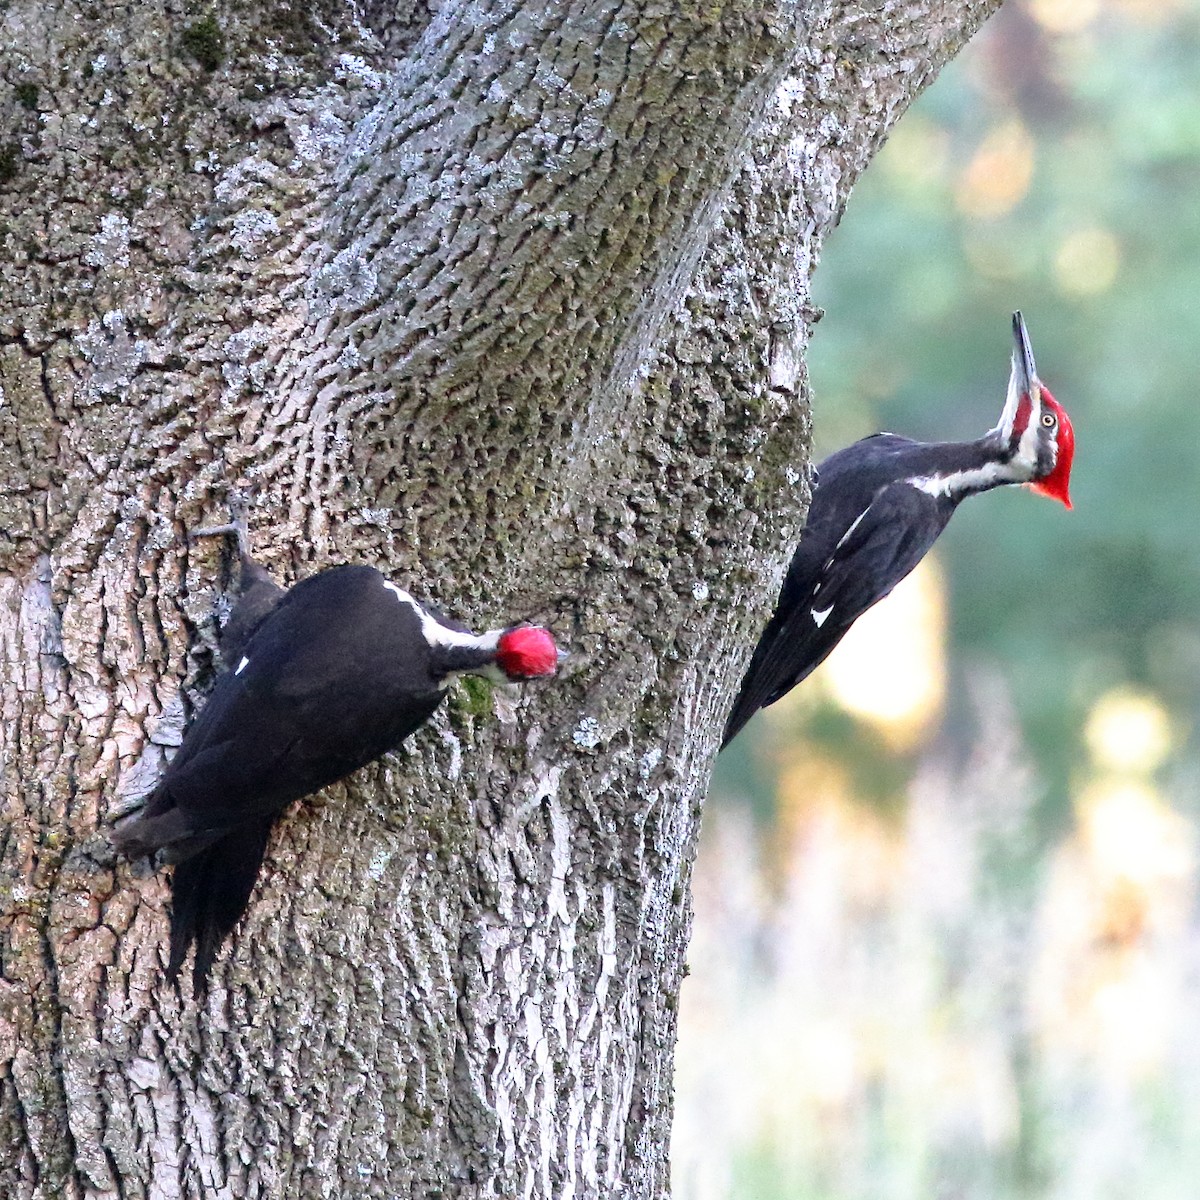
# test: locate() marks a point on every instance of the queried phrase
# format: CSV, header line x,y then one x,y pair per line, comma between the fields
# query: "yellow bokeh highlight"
x,y
817,802
1064,16
1132,836
890,669
1120,897
917,155
1087,262
998,176
1128,730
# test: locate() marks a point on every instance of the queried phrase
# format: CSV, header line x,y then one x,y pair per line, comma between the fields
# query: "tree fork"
x,y
510,301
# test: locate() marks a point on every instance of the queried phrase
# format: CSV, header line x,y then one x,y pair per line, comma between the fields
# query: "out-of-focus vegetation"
x,y
946,939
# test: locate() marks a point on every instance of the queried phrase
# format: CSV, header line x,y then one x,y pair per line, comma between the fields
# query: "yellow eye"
x,y
1049,420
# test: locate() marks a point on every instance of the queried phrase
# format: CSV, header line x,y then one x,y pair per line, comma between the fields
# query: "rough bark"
x,y
511,300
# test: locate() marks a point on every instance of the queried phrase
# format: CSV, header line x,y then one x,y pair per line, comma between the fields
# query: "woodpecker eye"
x,y
1049,420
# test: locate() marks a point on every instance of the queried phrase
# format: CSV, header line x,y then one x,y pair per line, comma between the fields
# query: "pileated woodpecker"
x,y
878,506
325,677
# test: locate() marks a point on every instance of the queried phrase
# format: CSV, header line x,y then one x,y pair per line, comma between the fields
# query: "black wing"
x,y
329,681
829,587
326,680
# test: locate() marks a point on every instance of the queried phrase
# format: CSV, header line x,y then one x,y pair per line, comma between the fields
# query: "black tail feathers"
x,y
737,719
209,894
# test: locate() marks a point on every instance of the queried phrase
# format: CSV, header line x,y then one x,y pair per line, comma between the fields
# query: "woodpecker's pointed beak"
x,y
1023,380
1025,375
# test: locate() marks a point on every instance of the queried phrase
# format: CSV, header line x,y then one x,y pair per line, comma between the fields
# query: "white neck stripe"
x,y
437,634
974,479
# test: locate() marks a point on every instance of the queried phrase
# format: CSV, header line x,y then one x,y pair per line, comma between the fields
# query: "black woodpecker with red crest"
x,y
321,679
878,506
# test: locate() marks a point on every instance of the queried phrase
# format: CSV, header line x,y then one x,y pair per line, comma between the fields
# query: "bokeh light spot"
x,y
919,158
890,669
1131,834
997,178
1087,262
1064,16
1128,730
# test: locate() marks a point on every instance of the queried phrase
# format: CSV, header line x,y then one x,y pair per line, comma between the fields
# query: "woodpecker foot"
x,y
238,526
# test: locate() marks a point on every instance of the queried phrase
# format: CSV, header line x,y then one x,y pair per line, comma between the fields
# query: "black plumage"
x,y
320,680
877,507
865,532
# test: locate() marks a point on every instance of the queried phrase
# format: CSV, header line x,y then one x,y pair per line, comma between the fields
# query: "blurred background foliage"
x,y
946,938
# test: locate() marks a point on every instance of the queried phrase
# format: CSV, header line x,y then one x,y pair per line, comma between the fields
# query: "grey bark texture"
x,y
510,299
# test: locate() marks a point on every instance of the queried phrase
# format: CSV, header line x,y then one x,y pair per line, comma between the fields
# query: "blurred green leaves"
x,y
1057,173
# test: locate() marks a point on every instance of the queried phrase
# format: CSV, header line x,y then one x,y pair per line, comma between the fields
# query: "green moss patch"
x,y
205,42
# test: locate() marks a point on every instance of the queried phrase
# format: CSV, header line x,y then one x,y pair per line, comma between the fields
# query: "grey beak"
x,y
1023,365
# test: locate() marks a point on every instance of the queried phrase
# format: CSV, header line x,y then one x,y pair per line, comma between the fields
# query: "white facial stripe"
x,y
1026,455
437,634
242,665
819,618
1027,448
1005,425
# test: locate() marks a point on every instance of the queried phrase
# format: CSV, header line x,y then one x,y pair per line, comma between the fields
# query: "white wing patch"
x,y
437,634
242,665
820,616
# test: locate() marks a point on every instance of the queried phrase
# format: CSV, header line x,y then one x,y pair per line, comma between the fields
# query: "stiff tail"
x,y
209,894
757,691
751,698
738,717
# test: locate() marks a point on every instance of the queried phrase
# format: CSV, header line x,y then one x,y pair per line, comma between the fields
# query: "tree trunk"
x,y
509,299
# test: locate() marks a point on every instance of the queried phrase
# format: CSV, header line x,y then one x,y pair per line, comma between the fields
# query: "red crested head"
x,y
1057,484
527,652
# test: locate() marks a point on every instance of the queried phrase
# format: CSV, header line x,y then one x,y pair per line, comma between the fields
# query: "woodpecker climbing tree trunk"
x,y
510,299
